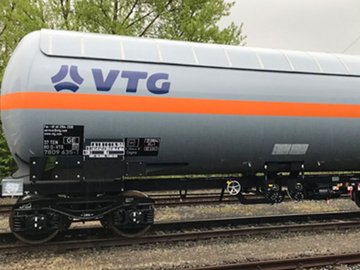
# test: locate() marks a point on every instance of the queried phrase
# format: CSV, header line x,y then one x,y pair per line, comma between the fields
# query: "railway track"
x,y
177,231
194,200
5,208
293,263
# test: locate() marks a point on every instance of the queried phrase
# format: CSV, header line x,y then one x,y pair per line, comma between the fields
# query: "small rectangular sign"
x,y
12,187
62,140
290,149
142,146
281,149
100,148
298,149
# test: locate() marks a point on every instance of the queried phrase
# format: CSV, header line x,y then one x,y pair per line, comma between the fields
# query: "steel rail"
x,y
255,220
288,264
67,244
5,208
197,201
79,238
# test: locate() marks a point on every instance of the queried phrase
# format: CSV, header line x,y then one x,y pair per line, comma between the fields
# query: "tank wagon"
x,y
86,116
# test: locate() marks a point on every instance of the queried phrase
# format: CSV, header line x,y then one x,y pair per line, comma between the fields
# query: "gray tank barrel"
x,y
181,107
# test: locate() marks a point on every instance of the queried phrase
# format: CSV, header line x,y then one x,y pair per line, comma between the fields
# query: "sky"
x,y
307,25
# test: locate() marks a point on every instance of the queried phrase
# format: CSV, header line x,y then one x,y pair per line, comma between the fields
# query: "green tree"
x,y
197,21
17,18
172,19
7,164
188,20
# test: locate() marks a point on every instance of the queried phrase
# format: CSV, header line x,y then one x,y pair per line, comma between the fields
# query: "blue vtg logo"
x,y
156,83
58,78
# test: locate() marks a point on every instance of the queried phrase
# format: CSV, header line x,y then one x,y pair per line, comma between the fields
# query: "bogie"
x,y
36,219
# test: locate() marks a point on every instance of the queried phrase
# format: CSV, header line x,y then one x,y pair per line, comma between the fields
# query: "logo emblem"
x,y
61,85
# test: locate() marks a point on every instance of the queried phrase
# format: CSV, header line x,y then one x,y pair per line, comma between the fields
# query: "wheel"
x,y
130,232
31,238
32,224
135,229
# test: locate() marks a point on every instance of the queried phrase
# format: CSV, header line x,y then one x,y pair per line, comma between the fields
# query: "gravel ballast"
x,y
185,254
216,251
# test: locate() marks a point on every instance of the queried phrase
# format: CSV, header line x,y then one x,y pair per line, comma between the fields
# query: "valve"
x,y
233,187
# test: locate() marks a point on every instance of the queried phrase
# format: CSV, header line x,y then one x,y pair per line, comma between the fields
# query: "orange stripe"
x,y
104,102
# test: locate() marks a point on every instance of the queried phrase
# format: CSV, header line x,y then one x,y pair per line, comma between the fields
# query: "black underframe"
x,y
75,175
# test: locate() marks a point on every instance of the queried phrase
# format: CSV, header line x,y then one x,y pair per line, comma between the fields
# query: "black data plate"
x,y
61,140
142,146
